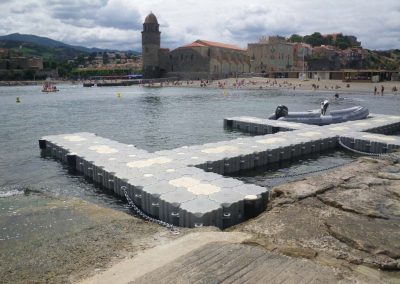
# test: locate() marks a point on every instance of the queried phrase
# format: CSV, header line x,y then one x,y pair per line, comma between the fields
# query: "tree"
x,y
80,60
92,56
295,38
105,58
315,39
328,40
29,74
342,41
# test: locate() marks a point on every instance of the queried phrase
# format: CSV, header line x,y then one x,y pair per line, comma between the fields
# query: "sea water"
x,y
151,119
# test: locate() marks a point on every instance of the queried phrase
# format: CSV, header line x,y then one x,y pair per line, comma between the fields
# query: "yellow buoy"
x,y
225,93
118,95
17,100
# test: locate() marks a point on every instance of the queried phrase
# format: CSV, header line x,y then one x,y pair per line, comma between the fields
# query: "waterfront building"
x,y
201,59
324,58
301,51
21,63
272,54
206,59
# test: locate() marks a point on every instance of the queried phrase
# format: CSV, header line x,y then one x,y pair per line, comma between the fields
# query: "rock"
x,y
367,202
281,201
347,177
391,176
394,189
298,252
392,170
368,160
354,185
377,237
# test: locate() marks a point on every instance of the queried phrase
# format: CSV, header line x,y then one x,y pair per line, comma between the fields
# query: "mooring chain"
x,y
309,172
378,156
381,155
144,216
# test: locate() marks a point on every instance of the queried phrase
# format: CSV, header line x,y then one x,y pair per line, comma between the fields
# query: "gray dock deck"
x,y
186,187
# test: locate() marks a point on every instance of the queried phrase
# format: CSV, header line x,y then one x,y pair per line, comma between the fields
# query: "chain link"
x,y
146,217
309,172
378,156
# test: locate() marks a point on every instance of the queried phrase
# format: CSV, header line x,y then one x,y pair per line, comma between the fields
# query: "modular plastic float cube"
x,y
173,185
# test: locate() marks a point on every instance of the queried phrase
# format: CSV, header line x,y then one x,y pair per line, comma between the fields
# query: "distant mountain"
x,y
47,42
59,53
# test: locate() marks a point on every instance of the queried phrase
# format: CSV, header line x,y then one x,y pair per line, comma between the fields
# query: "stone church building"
x,y
200,59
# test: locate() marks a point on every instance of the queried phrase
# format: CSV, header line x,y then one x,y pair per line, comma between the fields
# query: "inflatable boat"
x,y
320,117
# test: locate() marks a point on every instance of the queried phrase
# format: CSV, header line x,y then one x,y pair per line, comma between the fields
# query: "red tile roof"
x,y
193,44
199,42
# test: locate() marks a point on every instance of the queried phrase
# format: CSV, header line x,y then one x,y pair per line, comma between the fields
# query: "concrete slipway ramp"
x,y
213,257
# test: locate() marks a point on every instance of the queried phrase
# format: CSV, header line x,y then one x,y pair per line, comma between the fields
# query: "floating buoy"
x,y
17,100
118,95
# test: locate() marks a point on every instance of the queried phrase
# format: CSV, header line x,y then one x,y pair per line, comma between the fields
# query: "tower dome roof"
x,y
151,19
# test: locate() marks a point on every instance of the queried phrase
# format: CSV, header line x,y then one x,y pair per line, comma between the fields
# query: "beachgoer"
x,y
382,89
375,91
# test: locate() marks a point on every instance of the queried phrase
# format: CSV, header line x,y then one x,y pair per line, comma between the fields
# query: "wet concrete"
x,y
239,263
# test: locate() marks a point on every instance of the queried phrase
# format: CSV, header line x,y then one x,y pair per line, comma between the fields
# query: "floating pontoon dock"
x,y
186,187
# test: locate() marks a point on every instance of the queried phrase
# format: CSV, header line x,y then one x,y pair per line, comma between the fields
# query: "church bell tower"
x,y
151,47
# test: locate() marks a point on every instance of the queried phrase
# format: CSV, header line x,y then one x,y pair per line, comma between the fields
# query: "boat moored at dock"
x,y
320,117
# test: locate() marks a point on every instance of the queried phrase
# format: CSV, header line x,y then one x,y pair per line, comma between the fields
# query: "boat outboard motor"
x,y
324,107
281,111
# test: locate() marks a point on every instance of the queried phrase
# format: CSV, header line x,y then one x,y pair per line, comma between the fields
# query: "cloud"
x,y
22,9
117,23
118,14
73,9
112,13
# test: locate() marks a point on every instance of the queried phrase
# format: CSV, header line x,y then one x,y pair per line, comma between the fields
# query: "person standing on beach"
x,y
375,90
382,89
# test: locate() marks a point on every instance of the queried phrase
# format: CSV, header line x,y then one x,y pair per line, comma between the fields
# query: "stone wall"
x,y
271,57
204,62
186,60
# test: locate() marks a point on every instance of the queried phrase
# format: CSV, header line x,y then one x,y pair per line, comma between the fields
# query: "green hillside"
x,y
59,53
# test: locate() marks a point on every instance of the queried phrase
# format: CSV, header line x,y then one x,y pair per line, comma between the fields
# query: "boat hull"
x,y
336,116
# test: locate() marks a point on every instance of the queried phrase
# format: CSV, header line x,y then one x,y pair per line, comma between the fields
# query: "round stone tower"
x,y
151,47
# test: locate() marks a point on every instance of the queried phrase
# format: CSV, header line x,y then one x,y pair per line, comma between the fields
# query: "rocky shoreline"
x,y
349,217
340,226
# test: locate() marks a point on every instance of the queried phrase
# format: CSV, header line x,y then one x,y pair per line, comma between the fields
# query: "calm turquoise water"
x,y
152,119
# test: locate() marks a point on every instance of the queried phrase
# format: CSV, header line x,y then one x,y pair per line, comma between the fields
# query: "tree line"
x,y
317,39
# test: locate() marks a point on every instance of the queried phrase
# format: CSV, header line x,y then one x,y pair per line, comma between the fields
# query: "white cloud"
x,y
117,23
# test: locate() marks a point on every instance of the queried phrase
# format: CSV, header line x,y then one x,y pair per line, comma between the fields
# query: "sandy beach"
x,y
259,83
312,85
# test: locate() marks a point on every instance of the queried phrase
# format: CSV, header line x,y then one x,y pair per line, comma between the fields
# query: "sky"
x,y
116,24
